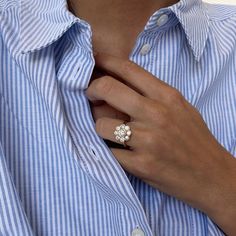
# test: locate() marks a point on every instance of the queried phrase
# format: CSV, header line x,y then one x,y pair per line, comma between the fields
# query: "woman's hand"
x,y
171,147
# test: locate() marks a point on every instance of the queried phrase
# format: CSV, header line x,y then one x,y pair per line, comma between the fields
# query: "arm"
x,y
223,200
171,147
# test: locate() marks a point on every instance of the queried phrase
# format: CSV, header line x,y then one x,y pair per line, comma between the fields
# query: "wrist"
x,y
221,195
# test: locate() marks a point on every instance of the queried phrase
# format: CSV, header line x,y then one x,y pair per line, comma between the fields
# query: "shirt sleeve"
x,y
13,220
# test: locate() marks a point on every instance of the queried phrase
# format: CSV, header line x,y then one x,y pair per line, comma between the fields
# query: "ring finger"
x,y
106,127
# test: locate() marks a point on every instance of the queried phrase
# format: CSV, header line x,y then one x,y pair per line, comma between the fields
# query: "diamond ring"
x,y
122,133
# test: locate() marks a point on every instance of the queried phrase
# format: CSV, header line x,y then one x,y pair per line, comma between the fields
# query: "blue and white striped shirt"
x,y
57,176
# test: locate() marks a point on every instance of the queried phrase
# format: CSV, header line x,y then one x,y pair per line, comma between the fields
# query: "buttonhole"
x,y
93,152
78,67
76,73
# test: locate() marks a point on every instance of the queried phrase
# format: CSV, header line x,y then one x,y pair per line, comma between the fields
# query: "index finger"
x,y
128,71
117,95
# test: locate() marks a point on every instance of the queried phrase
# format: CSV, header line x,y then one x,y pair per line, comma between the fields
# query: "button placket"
x,y
145,49
162,20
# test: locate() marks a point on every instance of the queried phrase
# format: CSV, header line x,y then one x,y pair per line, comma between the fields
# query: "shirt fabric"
x,y
57,176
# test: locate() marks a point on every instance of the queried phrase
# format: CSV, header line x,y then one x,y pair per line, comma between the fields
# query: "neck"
x,y
119,20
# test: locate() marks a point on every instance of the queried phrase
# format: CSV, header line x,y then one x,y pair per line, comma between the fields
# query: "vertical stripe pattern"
x,y
57,176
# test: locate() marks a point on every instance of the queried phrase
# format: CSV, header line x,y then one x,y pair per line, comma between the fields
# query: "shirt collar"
x,y
35,24
42,22
194,19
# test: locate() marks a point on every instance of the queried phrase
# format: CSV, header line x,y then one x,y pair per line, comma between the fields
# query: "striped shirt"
x,y
57,176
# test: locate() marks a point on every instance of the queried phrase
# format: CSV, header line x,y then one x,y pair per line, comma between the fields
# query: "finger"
x,y
142,80
106,110
131,161
117,95
126,158
106,127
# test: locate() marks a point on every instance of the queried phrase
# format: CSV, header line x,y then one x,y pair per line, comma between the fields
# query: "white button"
x,y
145,49
162,20
137,232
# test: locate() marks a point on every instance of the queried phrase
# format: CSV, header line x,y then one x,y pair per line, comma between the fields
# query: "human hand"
x,y
171,147
101,109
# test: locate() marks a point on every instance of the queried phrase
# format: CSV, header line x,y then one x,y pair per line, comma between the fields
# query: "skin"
x,y
120,36
171,146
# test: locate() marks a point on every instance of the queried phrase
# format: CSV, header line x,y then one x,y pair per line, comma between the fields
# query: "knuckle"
x,y
152,111
159,115
150,139
104,84
175,96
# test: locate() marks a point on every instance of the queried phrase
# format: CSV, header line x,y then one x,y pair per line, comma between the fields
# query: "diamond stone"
x,y
128,133
127,128
122,133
